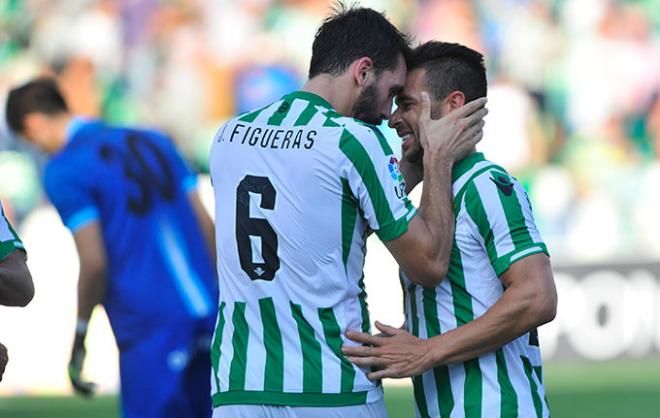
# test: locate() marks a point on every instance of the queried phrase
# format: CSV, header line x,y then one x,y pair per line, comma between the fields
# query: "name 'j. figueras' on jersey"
x,y
274,138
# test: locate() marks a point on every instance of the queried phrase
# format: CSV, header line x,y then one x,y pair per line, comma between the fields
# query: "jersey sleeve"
x,y
72,195
502,218
372,173
9,240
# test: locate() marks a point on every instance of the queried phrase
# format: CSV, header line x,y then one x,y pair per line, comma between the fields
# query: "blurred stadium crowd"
x,y
574,90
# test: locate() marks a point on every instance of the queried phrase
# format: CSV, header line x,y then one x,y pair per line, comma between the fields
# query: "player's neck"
x,y
60,126
333,90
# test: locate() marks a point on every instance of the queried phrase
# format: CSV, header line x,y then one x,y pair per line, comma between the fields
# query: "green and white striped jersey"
x,y
494,229
9,240
297,186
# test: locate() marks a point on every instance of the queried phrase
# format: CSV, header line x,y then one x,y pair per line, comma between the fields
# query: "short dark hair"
x,y
354,32
40,95
450,67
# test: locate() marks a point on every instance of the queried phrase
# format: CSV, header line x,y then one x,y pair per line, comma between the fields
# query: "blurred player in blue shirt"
x,y
145,245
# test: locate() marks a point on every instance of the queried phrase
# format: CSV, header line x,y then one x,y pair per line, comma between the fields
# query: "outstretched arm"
x,y
529,300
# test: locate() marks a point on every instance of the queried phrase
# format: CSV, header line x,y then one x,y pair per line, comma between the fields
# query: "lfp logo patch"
x,y
393,166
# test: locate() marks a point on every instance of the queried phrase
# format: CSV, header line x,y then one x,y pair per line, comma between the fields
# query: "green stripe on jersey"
x,y
217,342
538,405
239,342
251,116
539,373
333,339
514,216
311,353
329,123
279,115
253,397
463,166
388,228
441,373
418,381
381,140
274,372
306,115
348,217
508,397
477,211
473,385
460,193
364,307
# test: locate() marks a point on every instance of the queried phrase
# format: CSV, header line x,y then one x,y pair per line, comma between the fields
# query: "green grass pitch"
x,y
614,390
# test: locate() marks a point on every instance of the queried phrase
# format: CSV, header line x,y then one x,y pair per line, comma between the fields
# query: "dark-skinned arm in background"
x,y
92,281
16,286
16,289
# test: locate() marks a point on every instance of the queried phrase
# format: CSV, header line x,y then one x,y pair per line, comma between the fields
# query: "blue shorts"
x,y
166,374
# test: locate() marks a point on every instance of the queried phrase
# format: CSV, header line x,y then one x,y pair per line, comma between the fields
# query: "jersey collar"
x,y
310,97
463,166
75,125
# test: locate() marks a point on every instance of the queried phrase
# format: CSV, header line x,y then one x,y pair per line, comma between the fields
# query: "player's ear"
x,y
455,100
362,70
33,123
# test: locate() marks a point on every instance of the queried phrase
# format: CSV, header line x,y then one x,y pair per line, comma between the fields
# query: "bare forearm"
x,y
91,292
16,287
512,316
436,209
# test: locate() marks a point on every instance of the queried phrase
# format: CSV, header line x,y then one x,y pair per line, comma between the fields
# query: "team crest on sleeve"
x,y
503,182
395,173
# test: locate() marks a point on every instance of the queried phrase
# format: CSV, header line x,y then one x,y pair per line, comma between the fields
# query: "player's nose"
x,y
394,120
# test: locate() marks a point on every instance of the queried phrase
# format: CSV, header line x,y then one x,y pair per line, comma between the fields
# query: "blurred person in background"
x,y
145,245
471,342
16,287
298,184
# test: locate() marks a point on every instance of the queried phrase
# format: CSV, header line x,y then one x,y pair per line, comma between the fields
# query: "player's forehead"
x,y
413,86
394,79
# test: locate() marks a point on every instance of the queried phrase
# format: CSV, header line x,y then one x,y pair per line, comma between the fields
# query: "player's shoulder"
x,y
369,138
472,173
489,183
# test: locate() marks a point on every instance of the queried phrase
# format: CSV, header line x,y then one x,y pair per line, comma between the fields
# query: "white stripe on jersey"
x,y
519,381
256,350
461,181
292,351
476,266
457,381
297,107
495,213
265,114
227,347
319,117
527,211
492,392
523,253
